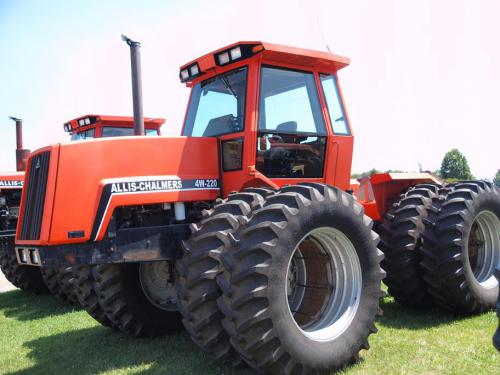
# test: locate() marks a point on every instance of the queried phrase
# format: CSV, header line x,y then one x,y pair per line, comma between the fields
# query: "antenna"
x,y
318,23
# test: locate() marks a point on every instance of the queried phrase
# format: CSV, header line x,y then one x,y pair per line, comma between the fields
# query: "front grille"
x,y
35,196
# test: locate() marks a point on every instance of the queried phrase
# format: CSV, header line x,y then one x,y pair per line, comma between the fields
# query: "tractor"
x,y
246,229
11,184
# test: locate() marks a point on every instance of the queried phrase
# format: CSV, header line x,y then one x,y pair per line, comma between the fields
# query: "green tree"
x,y
496,180
455,166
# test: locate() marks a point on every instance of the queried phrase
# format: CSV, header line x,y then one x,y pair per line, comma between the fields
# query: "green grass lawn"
x,y
41,335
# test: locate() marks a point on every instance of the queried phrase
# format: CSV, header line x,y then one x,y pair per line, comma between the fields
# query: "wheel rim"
x,y
324,282
158,285
484,248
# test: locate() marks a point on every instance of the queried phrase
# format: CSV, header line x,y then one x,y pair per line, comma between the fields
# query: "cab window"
x,y
291,130
334,104
87,134
217,105
116,131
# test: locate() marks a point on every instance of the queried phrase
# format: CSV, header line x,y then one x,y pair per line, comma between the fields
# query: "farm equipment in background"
x,y
247,227
11,184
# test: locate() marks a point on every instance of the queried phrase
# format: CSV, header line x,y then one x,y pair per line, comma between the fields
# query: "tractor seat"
x,y
220,125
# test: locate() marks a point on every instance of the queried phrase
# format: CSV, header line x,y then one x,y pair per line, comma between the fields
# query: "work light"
x,y
223,58
233,54
194,70
190,72
184,74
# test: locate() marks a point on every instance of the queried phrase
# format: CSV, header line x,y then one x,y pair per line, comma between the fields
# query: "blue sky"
x,y
423,79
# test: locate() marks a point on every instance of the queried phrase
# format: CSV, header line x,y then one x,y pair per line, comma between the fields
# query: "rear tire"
x,y
83,280
59,283
401,239
461,254
127,307
26,278
283,259
197,270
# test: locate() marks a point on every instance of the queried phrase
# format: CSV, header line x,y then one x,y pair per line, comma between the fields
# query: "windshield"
x,y
87,134
115,131
217,105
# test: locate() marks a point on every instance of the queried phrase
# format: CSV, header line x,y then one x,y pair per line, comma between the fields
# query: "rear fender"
x,y
381,190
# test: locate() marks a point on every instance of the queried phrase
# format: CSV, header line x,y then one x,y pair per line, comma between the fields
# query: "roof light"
x,y
184,74
67,127
81,122
194,70
87,121
189,72
242,51
235,53
223,58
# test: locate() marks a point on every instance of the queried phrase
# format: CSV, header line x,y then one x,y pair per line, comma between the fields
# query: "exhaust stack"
x,y
135,62
21,153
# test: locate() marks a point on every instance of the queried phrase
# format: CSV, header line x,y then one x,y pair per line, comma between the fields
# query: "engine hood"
x,y
87,180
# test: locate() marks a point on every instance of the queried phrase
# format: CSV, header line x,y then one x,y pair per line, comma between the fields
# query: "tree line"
x,y
454,167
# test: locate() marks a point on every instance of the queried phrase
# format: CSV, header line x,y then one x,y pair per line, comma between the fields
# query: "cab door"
x,y
340,144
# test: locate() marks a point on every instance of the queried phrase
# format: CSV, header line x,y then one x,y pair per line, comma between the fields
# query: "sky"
x,y
424,75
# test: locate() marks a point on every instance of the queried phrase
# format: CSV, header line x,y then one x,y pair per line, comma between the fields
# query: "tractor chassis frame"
x,y
143,244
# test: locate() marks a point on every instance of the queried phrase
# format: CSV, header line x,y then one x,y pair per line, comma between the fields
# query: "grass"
x,y
41,335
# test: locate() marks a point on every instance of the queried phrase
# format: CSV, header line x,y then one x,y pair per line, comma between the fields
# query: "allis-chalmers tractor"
x,y
246,227
28,278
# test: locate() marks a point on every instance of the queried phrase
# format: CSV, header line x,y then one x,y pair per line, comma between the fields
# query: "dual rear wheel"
x,y
293,284
442,245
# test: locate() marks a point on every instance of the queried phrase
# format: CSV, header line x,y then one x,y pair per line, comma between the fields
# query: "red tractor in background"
x,y
11,184
246,228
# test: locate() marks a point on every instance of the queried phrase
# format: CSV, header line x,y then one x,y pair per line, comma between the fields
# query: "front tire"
x,y
26,278
128,308
84,280
200,264
301,290
59,282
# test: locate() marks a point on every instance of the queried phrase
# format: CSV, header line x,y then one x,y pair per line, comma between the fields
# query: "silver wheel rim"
x,y
157,286
324,283
484,248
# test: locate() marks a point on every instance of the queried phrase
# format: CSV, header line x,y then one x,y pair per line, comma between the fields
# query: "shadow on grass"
x,y
97,349
24,306
397,316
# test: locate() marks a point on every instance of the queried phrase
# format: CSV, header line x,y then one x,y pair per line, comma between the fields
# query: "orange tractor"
x,y
247,229
11,184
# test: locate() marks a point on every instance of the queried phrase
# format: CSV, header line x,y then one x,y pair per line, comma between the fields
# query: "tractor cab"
x,y
99,126
277,111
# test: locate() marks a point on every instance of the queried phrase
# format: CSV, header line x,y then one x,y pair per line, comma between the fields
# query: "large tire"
x,y
275,269
27,278
59,282
401,239
121,295
463,249
83,280
197,270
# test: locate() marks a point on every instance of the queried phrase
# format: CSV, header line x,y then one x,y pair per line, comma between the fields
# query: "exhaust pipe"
x,y
135,62
21,154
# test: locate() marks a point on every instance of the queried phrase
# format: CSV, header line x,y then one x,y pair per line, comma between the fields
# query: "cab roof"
x,y
121,121
279,53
